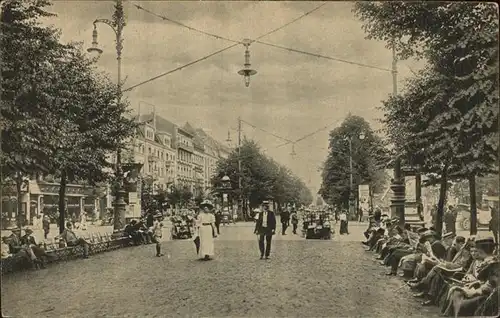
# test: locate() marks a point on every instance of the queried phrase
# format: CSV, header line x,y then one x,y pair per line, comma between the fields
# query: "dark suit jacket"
x,y
285,217
271,223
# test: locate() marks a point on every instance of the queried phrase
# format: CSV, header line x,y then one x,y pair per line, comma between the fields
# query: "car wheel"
x,y
466,224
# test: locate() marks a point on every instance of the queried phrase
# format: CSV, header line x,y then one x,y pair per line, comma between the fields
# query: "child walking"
x,y
157,234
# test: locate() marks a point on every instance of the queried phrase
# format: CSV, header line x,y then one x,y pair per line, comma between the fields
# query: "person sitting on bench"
x,y
72,239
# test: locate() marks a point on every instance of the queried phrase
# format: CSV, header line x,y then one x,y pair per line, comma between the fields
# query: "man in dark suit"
x,y
265,227
285,220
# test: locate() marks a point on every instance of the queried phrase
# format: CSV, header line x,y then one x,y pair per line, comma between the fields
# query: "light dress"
x,y
203,223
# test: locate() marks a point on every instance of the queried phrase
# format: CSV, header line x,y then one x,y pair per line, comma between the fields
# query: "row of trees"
x,y
153,198
446,119
59,115
261,178
368,158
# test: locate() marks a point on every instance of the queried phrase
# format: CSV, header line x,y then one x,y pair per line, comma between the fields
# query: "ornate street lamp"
x,y
226,182
116,24
247,71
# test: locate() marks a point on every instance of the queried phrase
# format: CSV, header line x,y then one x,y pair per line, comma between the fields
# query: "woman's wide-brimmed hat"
x,y
28,230
207,203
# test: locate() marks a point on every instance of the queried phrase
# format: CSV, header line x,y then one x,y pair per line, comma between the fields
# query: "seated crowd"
x,y
24,250
142,231
459,275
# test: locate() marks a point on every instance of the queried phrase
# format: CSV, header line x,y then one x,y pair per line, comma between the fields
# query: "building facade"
x,y
169,154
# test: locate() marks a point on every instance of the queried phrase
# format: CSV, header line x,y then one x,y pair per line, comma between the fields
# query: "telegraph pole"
x,y
398,185
240,198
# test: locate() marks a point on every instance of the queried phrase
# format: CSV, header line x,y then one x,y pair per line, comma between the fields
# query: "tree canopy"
x,y
60,116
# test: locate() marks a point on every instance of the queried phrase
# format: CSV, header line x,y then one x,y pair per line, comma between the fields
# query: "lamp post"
x,y
361,136
117,23
397,183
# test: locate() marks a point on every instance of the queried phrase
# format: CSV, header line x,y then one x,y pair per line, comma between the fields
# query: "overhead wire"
x,y
266,131
180,67
323,56
185,25
216,52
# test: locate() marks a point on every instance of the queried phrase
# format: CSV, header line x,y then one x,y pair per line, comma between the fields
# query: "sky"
x,y
292,94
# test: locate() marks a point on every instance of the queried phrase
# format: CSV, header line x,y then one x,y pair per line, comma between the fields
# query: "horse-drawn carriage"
x,y
316,224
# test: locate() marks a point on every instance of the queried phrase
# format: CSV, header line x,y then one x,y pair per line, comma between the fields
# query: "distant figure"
x,y
149,219
285,221
450,219
360,214
343,222
265,228
46,225
295,221
218,219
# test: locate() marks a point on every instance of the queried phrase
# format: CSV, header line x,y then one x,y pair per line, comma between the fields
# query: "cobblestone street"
x,y
303,278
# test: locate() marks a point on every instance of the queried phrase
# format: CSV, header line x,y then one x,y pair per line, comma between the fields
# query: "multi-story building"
x,y
154,147
214,151
199,158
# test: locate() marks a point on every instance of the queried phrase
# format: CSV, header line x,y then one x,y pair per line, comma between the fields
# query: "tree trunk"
x,y
62,201
473,205
19,186
442,199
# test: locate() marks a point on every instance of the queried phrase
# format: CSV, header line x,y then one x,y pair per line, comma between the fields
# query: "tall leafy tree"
x,y
27,49
366,153
61,116
460,42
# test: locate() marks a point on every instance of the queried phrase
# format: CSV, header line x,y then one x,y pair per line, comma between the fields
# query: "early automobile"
x,y
463,216
317,225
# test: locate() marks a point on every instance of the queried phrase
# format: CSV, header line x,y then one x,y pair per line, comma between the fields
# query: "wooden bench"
x,y
98,243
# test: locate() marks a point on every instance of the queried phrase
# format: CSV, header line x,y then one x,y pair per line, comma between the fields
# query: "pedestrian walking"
x,y
157,231
265,228
360,214
343,222
218,219
206,230
295,221
450,219
285,221
46,226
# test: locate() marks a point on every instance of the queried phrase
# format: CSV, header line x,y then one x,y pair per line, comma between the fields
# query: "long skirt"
x,y
206,241
489,307
343,227
466,308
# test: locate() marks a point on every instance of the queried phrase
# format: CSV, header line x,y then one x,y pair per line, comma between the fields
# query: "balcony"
x,y
185,147
153,158
198,168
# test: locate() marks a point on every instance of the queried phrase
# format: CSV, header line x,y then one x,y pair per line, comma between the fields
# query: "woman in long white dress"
x,y
206,226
